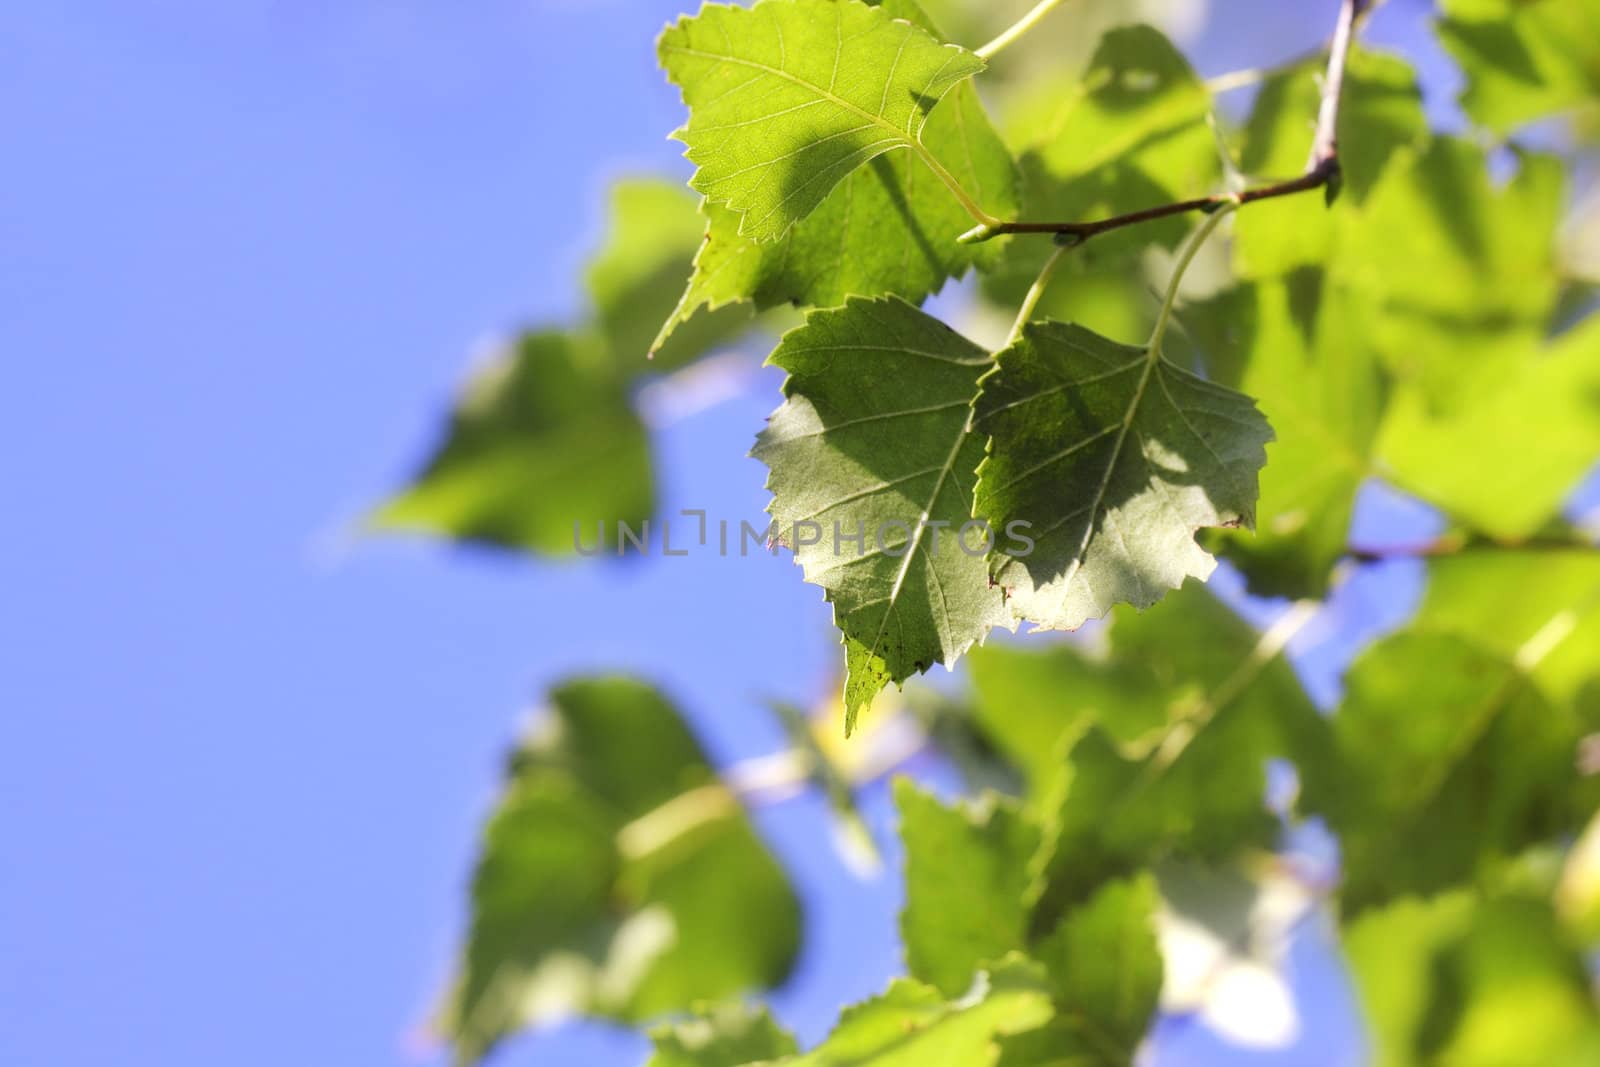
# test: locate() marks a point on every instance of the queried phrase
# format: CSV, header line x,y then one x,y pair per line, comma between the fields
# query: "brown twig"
x,y
1455,544
1322,169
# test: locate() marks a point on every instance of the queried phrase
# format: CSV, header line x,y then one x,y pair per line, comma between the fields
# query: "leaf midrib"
x,y
916,543
1152,358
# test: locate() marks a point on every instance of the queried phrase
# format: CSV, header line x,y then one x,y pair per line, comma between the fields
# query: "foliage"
x,y
618,878
1394,311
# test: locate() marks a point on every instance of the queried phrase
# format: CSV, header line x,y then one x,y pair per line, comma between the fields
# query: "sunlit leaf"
x,y
1524,59
1127,132
1541,602
1453,276
1380,114
1478,983
1105,968
652,234
1296,344
541,450
1451,761
1114,456
724,1036
889,227
787,97
914,1025
618,878
1505,459
966,875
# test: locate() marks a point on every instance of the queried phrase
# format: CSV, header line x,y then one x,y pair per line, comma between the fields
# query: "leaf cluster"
x,y
1224,384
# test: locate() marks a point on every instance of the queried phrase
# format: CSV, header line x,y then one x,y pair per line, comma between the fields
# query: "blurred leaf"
x,y
1454,279
913,1025
872,441
1128,132
1462,461
1194,789
1466,982
726,1036
1115,456
889,227
1380,114
541,443
1027,700
1577,897
1296,346
1524,59
1451,762
786,98
618,878
966,873
1501,599
1158,669
1105,969
652,234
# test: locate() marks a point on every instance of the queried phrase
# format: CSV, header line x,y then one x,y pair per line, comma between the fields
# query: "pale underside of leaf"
x,y
788,97
873,438
1115,456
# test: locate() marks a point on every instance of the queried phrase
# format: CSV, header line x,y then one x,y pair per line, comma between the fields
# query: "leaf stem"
x,y
1035,292
983,218
1321,172
1185,258
1241,79
1018,29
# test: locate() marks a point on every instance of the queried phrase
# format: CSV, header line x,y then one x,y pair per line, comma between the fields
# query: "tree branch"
x,y
1322,169
1456,544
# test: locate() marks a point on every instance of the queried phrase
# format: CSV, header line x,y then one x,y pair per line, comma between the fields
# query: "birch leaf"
x,y
786,98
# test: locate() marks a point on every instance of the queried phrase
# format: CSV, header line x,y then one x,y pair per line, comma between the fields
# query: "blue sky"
x,y
245,252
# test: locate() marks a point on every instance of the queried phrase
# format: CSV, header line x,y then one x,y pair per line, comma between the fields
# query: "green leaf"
x,y
889,227
1478,283
1504,601
913,1025
1470,982
1115,456
1458,459
1027,700
1451,763
1157,671
966,874
721,1036
1296,345
788,97
618,878
652,234
1194,787
1128,132
1380,116
542,442
1524,59
1105,968
872,441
